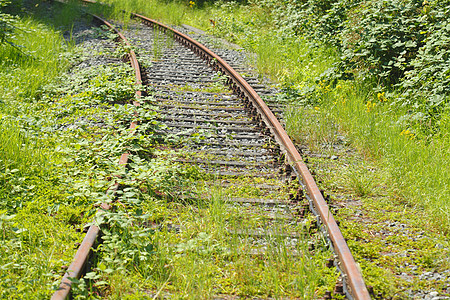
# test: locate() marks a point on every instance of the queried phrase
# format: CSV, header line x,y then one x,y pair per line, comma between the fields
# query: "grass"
x,y
380,227
202,259
361,182
33,249
172,12
23,71
286,61
34,243
305,126
34,65
416,165
19,152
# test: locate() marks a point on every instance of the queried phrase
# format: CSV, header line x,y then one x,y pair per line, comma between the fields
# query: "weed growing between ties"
x,y
196,255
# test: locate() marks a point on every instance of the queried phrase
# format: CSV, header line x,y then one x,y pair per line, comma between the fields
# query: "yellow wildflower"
x,y
381,97
408,134
370,106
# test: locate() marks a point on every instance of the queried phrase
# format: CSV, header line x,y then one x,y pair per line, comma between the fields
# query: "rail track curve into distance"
x,y
242,139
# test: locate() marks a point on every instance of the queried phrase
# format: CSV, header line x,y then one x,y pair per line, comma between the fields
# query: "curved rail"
x,y
358,289
81,258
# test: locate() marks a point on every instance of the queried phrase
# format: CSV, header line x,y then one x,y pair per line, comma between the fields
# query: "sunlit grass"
x,y
24,69
419,168
203,260
171,12
292,62
34,243
18,152
36,62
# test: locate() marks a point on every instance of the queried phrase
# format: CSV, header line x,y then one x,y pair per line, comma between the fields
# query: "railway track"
x,y
238,146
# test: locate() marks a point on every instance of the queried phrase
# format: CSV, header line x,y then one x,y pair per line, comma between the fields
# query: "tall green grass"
x,y
33,242
23,71
17,150
418,167
288,61
38,60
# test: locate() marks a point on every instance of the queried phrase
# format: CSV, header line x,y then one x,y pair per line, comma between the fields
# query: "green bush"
x,y
401,45
383,37
426,84
320,21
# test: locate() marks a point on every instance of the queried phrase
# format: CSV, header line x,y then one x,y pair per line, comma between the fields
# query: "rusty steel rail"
x,y
352,275
83,253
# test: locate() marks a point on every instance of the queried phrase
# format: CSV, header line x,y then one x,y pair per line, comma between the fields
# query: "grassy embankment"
x,y
33,241
62,137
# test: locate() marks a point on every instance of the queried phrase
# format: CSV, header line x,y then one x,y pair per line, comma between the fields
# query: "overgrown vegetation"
x,y
377,69
61,140
400,47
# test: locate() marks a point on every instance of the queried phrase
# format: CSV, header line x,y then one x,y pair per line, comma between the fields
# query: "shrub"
x,y
383,37
401,45
426,84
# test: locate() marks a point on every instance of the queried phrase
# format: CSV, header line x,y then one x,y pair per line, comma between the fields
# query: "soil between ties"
x,y
244,232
